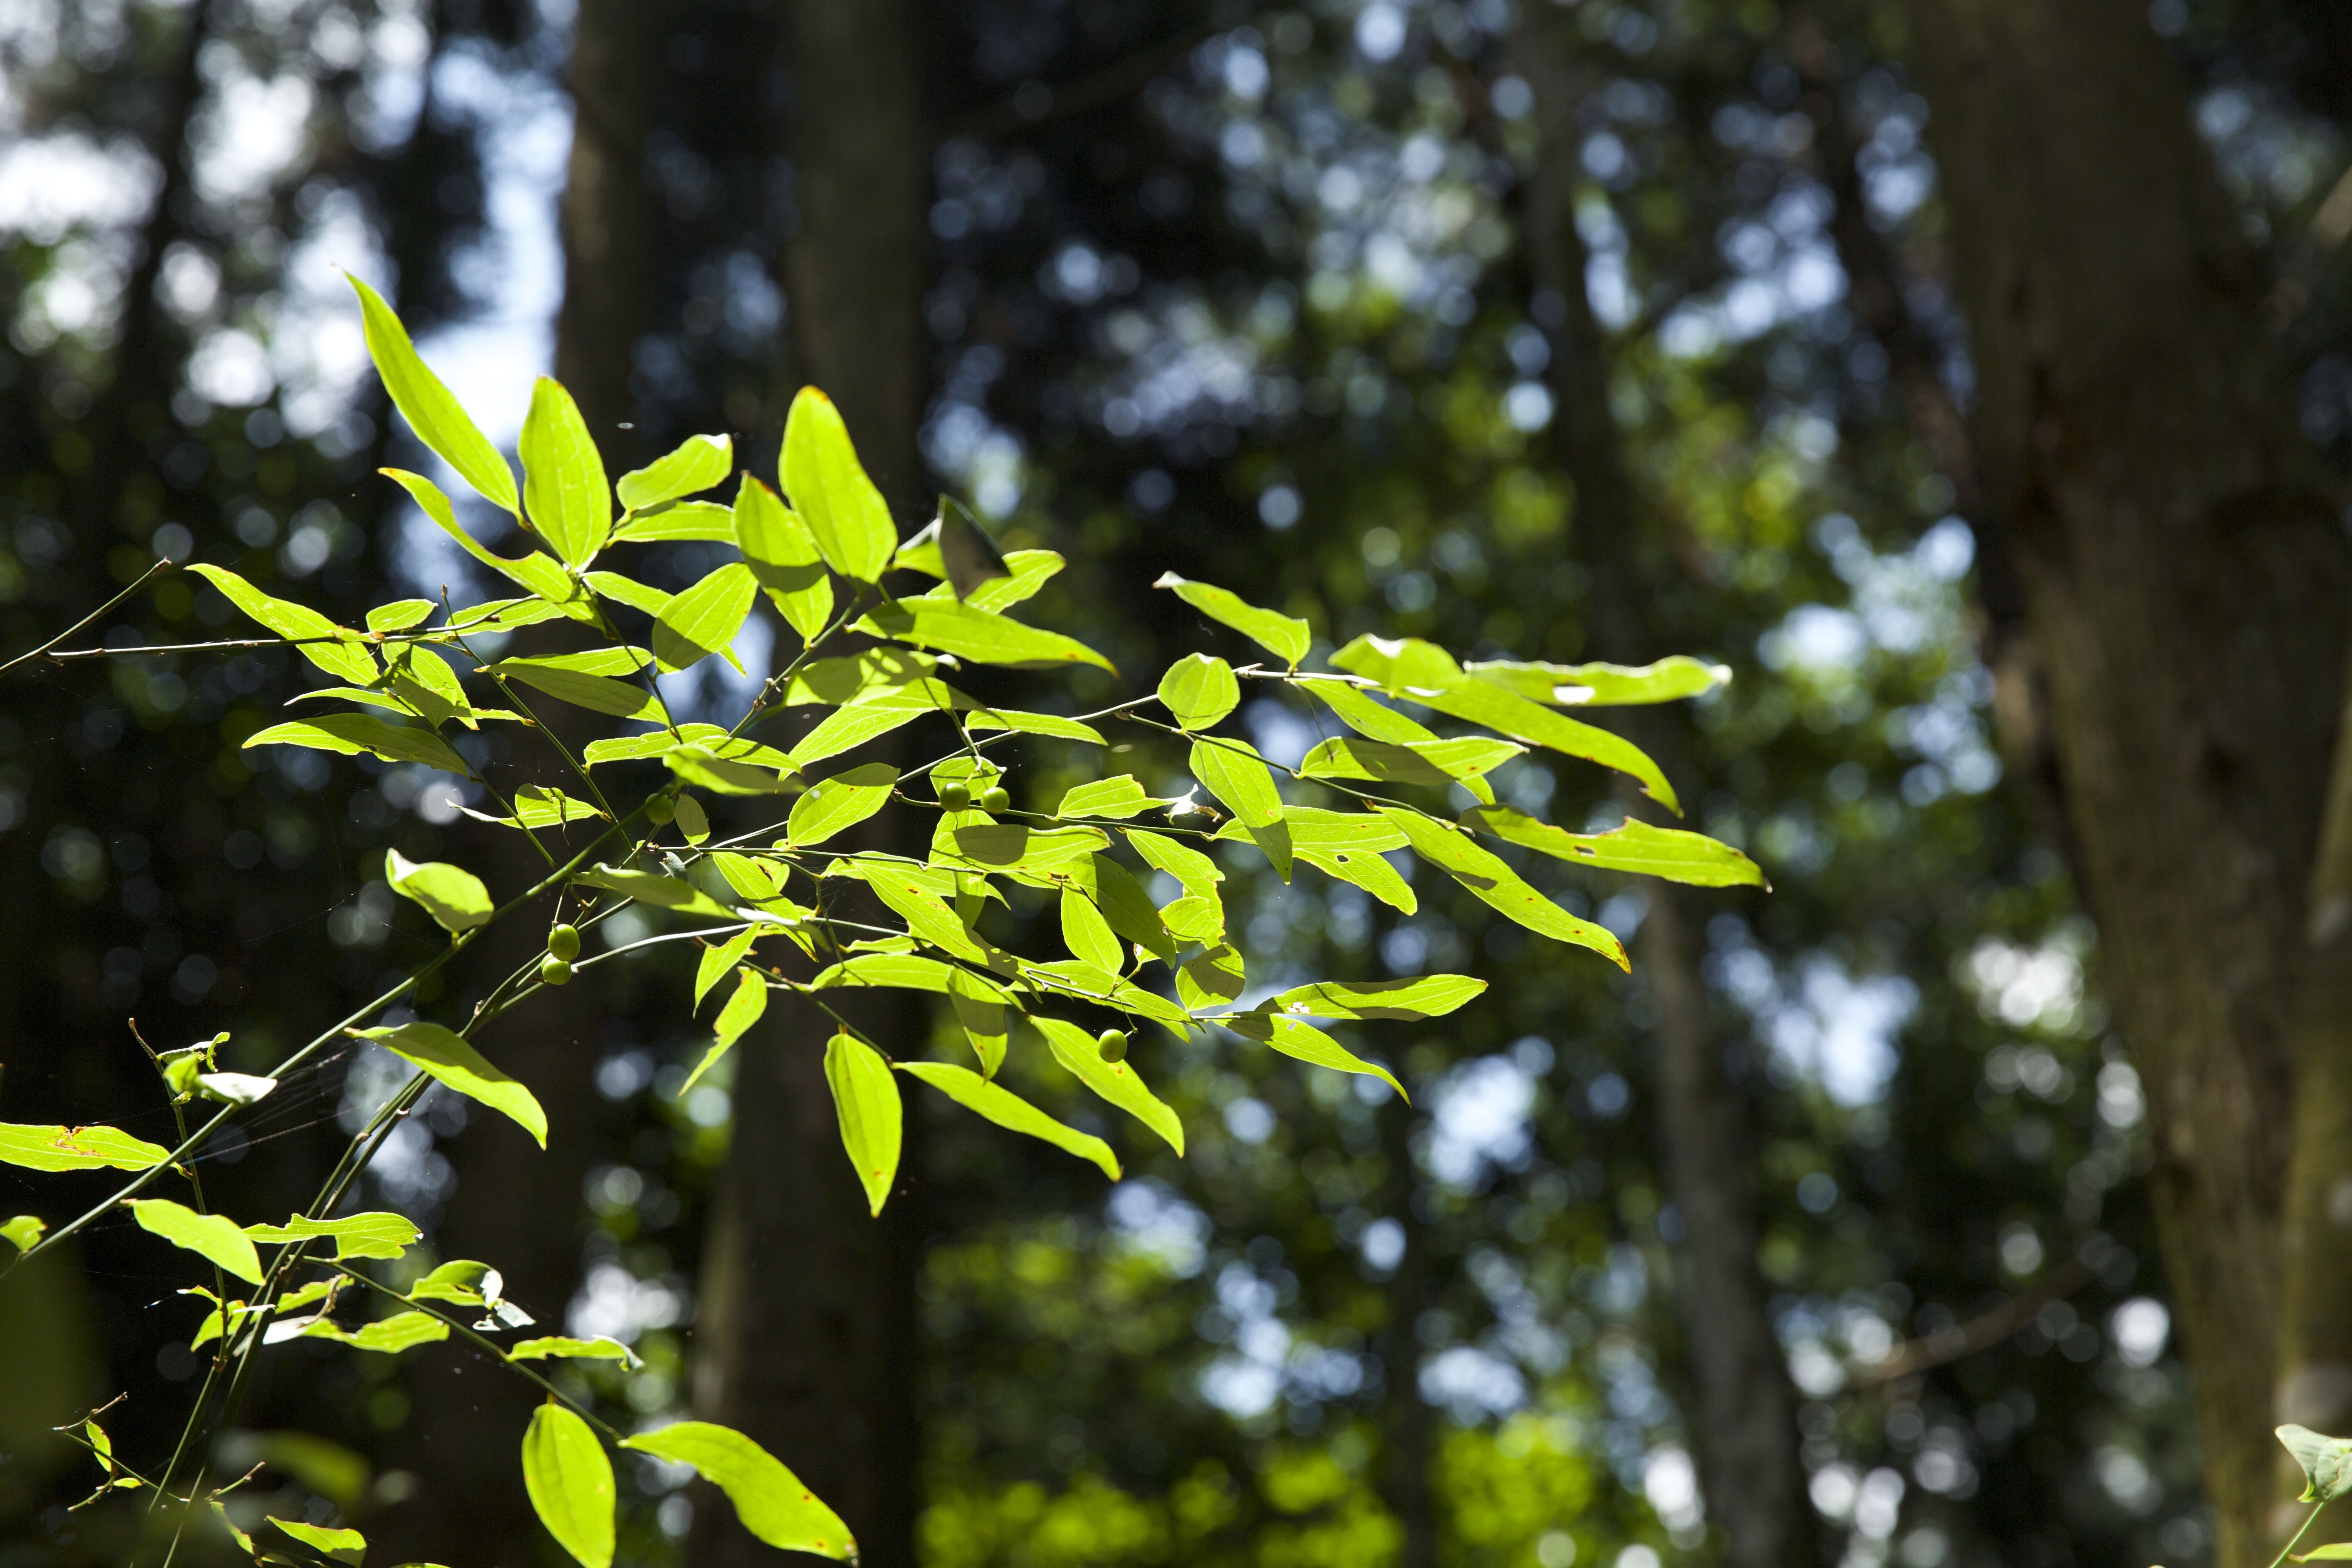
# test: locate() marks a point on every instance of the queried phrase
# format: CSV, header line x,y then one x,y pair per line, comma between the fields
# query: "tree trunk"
x,y
1746,1428
2185,585
808,1335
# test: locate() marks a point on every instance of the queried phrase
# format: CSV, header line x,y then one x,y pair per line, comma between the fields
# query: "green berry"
x,y
955,797
563,943
1113,1044
996,797
553,971
661,811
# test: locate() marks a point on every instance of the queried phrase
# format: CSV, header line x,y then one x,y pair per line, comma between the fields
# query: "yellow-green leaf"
x,y
1211,979
563,485
981,635
1199,690
979,1007
840,802
316,637
1233,772
1496,884
24,1232
1118,797
400,615
386,1336
653,887
373,1235
1285,636
716,961
1009,1110
844,513
782,555
352,734
1114,1082
337,1545
1307,1043
1428,996
439,421
1367,718
564,1347
597,693
447,1058
534,572
768,1498
1669,852
210,1235
1437,763
453,896
845,729
1603,685
742,1009
42,1148
570,1484
697,464
866,1102
1087,935
1052,725
704,619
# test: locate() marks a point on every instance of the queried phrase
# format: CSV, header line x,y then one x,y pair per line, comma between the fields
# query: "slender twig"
x,y
45,647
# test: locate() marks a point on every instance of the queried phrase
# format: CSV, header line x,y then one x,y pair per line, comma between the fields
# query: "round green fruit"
x,y
955,797
661,811
996,797
563,943
553,971
1112,1045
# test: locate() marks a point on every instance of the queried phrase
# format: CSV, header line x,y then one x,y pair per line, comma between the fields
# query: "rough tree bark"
x,y
808,1334
2186,587
1746,1428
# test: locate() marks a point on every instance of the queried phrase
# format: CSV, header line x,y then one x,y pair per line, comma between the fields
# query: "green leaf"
x,y
1636,845
1200,690
1026,571
1421,762
1603,685
243,1541
1199,875
446,1057
24,1232
2326,1462
1211,979
1120,797
969,559
563,485
684,521
697,464
1233,772
782,555
981,635
1309,1044
316,637
1075,977
704,619
1009,1110
1124,904
338,1545
462,1280
1087,935
928,919
1359,712
436,415
869,675
564,1347
979,1007
653,887
716,961
742,1011
352,734
534,572
210,1235
1049,724
844,513
2336,1552
1042,852
43,1148
570,1484
1285,636
1400,666
838,802
1114,1082
373,1235
1346,844
454,897
866,1099
540,805
400,615
387,1336
846,729
899,970
628,591
597,693
1430,997
768,1498
750,773
1497,885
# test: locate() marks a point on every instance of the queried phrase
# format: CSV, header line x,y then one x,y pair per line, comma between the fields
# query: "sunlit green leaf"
x,y
685,521
1233,772
1009,1110
541,805
439,421
317,638
1367,717
1049,724
716,961
901,970
453,896
1043,852
1026,571
563,486
704,619
1087,935
564,1347
629,591
865,1102
1211,979
928,919
1428,996
1636,845
743,1009
400,615
1497,885
446,1057
653,887
1307,1043
24,1231
840,802
981,635
698,463
844,513
1399,664
1120,797
570,1484
1077,978
1285,636
2326,1462
846,729
1603,685
386,1336
41,1148
1200,690
337,1545
374,1235
782,555
597,693
869,675
980,1010
1124,903
1116,1082
352,734
212,1236
540,573
1421,763
768,1498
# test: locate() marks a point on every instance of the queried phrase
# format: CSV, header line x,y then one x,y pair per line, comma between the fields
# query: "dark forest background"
x,y
1973,377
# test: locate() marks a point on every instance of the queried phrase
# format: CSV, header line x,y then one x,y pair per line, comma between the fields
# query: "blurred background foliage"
x,y
1247,293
